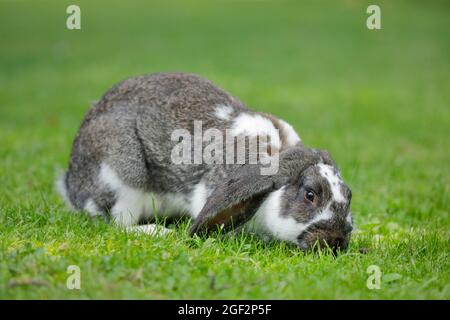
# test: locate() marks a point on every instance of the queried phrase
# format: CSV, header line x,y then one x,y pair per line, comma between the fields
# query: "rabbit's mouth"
x,y
322,237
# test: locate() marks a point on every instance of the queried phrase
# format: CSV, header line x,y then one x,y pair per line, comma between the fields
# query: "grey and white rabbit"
x,y
122,166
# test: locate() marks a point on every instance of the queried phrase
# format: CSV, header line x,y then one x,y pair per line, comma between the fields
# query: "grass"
x,y
377,100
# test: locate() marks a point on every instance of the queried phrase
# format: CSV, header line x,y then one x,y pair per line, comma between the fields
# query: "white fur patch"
x,y
291,136
133,204
172,204
60,185
334,180
349,218
198,199
91,208
255,125
150,229
324,215
269,220
223,112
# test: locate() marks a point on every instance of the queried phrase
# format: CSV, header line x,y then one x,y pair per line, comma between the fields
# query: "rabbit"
x,y
122,166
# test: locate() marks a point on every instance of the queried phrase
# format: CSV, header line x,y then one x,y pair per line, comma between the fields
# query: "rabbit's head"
x,y
306,202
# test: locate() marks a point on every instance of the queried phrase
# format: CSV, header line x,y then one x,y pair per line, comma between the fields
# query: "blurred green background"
x,y
378,100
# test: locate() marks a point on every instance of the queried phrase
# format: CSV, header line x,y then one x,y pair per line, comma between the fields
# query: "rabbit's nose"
x,y
324,238
338,243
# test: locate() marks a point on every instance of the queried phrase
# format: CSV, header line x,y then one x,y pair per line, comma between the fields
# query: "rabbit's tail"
x,y
61,187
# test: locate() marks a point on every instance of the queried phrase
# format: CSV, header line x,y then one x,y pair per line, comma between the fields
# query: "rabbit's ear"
x,y
239,196
236,199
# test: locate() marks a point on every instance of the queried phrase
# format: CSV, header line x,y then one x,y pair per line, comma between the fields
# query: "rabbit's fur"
x,y
121,166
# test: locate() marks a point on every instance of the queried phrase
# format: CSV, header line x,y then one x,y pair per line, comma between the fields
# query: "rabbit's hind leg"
x,y
131,204
99,190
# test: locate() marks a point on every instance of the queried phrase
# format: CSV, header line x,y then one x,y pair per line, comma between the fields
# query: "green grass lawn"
x,y
379,101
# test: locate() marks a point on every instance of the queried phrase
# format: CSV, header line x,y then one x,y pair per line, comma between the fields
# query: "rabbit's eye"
x,y
310,195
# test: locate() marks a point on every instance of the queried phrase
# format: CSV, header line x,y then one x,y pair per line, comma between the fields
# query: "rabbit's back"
x,y
131,127
183,92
